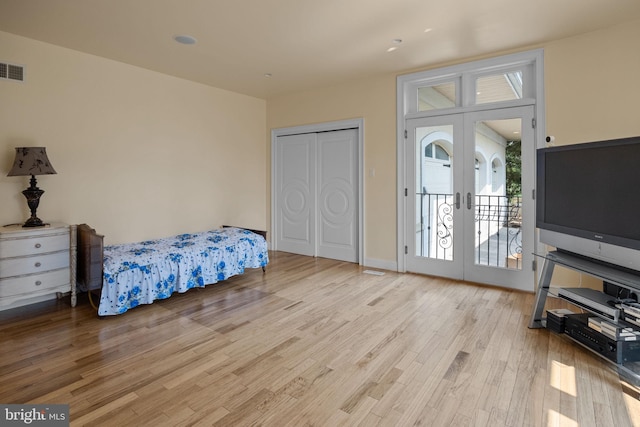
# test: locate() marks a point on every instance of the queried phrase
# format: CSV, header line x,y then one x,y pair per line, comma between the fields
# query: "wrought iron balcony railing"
x,y
498,239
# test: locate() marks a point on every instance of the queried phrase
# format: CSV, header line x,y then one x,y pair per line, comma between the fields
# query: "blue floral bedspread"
x,y
140,273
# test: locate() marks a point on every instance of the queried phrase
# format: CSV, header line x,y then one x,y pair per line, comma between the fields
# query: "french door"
x,y
469,196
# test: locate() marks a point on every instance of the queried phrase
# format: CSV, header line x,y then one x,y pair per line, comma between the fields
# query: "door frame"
x,y
462,265
357,124
453,268
407,84
499,276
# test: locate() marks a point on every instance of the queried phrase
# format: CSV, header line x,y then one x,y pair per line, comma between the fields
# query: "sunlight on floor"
x,y
556,419
563,378
633,409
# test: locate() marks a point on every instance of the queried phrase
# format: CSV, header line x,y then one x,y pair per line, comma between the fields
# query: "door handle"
x,y
468,200
457,200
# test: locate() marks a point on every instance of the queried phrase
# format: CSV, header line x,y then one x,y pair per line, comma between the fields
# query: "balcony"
x,y
497,219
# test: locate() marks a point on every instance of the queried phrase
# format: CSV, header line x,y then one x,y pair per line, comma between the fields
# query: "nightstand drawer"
x,y
35,284
33,264
11,248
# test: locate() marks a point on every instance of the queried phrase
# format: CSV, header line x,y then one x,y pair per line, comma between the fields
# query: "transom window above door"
x,y
503,86
495,86
437,96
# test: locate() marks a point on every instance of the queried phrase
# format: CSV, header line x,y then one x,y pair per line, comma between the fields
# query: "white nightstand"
x,y
36,263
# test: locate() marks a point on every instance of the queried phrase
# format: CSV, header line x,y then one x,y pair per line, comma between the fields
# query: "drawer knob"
x,y
38,264
38,283
38,245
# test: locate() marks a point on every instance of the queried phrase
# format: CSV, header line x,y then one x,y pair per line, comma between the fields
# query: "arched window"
x,y
480,173
435,151
435,174
497,177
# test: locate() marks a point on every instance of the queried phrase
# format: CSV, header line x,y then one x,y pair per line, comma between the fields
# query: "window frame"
x,y
532,64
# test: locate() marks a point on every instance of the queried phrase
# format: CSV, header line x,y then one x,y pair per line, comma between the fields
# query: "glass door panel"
x,y
500,214
434,195
433,201
498,193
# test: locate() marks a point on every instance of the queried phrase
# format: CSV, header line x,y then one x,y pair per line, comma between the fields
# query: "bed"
x,y
139,273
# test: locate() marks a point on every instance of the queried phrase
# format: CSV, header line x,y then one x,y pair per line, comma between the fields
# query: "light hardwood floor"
x,y
311,342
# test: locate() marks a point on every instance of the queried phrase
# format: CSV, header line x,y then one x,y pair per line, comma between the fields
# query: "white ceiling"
x,y
301,43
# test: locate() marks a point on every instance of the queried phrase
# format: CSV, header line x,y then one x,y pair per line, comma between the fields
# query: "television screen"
x,y
591,190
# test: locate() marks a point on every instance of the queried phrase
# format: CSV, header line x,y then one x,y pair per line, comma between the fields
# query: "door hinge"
x,y
406,134
406,192
533,194
533,123
534,265
406,250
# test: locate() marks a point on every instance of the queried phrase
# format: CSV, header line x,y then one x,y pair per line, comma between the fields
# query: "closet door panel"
x,y
337,194
295,190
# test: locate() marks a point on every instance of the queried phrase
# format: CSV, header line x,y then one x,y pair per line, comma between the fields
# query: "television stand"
x,y
605,272
622,278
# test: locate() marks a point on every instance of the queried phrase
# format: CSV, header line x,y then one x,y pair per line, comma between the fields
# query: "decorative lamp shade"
x,y
31,161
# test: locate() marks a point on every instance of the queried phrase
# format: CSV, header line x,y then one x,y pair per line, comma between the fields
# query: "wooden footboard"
x,y
90,258
260,232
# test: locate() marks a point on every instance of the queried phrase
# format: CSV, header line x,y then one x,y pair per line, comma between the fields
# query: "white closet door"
x,y
316,194
337,194
295,192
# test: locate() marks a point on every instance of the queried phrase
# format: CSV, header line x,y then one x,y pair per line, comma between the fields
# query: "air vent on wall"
x,y
11,72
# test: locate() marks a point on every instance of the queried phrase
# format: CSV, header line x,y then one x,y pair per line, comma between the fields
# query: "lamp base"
x,y
32,195
34,222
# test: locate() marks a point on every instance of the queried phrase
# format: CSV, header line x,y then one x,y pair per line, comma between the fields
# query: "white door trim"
x,y
314,128
407,84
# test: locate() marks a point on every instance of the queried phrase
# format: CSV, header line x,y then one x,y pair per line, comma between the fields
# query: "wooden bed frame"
x,y
260,232
90,252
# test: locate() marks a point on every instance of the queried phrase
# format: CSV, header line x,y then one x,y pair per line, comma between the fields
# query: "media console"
x,y
610,274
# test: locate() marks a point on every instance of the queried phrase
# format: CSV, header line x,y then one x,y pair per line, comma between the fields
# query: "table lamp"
x,y
32,161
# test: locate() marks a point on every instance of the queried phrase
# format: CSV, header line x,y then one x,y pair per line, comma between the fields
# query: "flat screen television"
x,y
588,200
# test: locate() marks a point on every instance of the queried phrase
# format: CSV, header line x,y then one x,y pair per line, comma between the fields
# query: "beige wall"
x,y
374,100
592,85
138,154
591,93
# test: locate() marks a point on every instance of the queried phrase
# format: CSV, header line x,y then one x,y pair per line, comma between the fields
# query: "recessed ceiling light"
x,y
268,75
185,39
397,42
427,30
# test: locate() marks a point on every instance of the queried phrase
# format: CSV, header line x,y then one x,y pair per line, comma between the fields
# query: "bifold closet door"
x,y
295,193
337,173
316,194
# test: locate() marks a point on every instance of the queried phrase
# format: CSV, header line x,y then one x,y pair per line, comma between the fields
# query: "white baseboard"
x,y
381,264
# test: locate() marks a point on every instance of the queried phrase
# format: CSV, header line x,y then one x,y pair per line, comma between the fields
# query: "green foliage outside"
x,y
513,154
